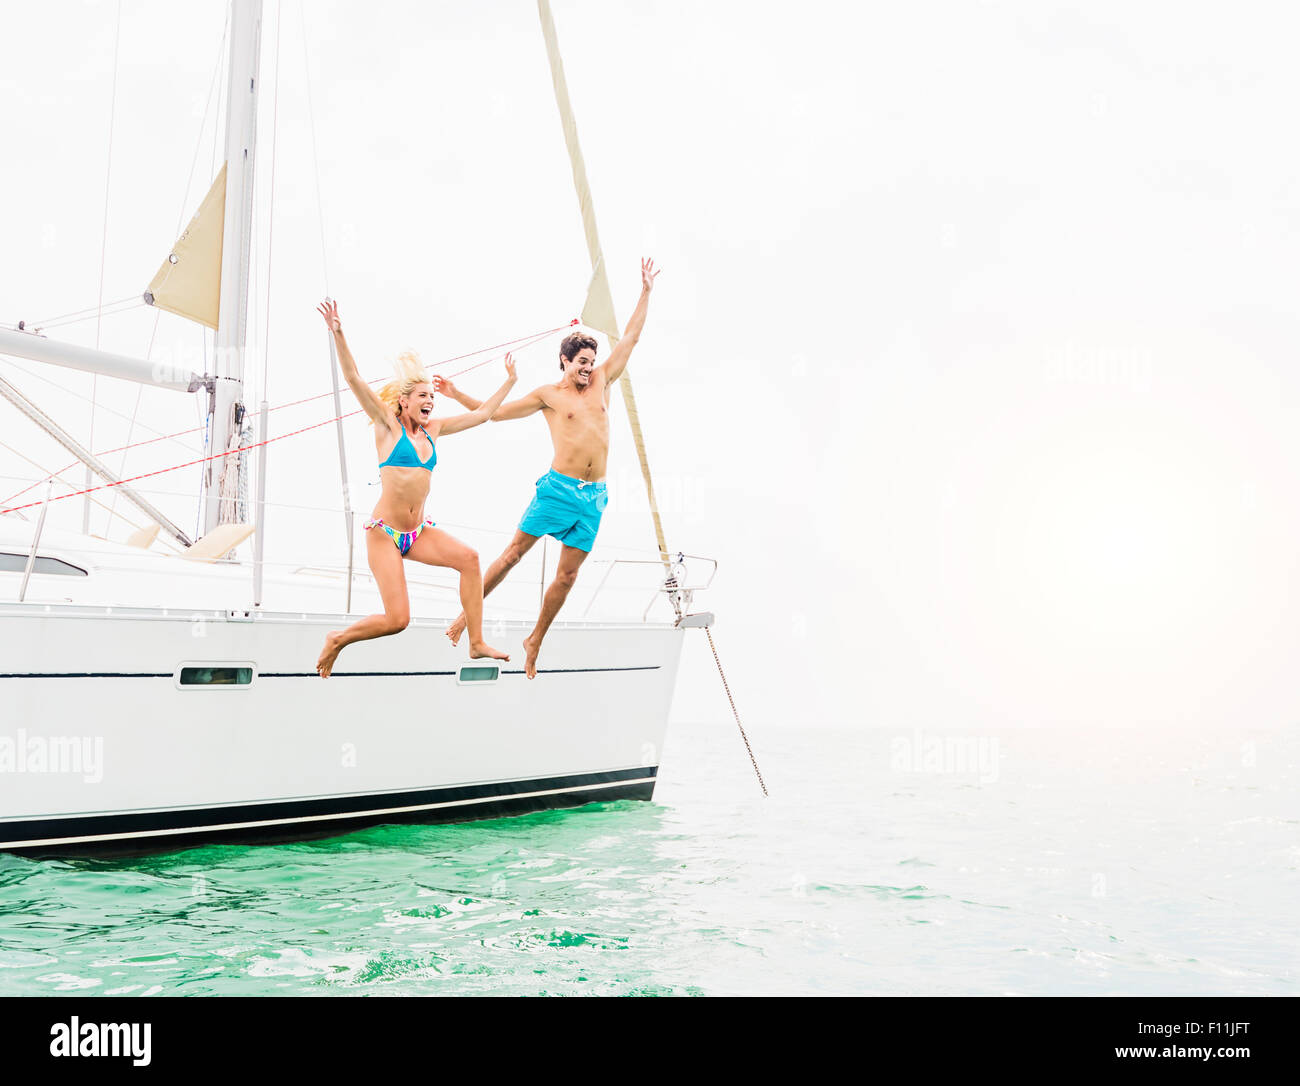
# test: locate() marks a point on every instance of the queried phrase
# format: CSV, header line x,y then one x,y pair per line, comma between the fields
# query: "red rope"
x,y
524,341
246,448
187,464
535,339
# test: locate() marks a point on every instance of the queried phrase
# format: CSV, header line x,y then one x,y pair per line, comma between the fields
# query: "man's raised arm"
x,y
618,357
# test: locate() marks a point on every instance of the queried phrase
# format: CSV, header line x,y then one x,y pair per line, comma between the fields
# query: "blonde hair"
x,y
410,372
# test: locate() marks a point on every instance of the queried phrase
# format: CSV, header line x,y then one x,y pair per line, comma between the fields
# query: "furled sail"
x,y
189,281
598,312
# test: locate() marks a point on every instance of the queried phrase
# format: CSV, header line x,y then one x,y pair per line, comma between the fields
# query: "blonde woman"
x,y
405,436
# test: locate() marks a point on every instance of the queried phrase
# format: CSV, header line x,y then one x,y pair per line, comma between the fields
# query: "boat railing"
x,y
685,575
626,589
677,586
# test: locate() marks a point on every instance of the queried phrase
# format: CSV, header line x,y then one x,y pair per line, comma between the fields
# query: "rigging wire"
x,y
232,452
315,157
191,463
270,213
223,95
207,109
180,220
96,501
22,456
103,243
131,302
135,411
98,315
82,396
78,314
648,553
520,344
349,521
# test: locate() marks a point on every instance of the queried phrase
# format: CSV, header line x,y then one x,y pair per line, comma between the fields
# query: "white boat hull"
x,y
393,735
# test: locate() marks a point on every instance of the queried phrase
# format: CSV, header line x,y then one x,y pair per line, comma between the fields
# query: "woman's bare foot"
x,y
532,648
330,653
481,650
456,629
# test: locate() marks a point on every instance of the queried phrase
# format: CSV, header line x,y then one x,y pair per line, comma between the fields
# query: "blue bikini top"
x,y
405,456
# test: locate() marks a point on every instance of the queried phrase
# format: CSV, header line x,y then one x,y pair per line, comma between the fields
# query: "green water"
x,y
551,902
1096,863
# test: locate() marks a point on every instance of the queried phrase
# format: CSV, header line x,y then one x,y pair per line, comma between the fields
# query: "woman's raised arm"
x,y
373,405
483,412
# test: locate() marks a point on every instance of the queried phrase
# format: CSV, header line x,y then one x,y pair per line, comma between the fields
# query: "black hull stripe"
x,y
458,803
260,835
310,674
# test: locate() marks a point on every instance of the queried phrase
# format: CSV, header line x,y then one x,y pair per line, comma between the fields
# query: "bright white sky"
x,y
972,359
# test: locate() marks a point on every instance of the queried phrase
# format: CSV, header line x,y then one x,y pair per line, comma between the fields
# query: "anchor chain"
x,y
735,712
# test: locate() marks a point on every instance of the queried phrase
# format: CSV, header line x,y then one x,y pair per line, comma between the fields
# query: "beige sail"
x,y
189,281
598,312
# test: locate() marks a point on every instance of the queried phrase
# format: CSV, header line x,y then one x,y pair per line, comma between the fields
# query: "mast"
x,y
225,404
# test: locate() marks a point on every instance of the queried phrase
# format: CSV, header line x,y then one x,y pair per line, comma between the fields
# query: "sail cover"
x,y
189,281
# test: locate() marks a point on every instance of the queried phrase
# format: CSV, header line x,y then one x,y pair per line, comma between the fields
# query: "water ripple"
x,y
1082,869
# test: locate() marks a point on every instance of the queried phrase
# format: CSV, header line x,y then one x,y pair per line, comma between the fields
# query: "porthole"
x,y
222,676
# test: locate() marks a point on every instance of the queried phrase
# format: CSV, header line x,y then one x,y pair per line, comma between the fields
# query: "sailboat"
x,y
151,700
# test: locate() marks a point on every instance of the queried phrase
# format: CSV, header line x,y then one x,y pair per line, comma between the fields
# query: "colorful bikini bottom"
x,y
404,540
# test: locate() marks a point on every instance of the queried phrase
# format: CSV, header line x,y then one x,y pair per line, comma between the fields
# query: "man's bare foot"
x,y
456,629
480,650
330,653
532,648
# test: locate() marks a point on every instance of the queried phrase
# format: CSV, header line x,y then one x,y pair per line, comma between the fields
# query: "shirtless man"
x,y
571,497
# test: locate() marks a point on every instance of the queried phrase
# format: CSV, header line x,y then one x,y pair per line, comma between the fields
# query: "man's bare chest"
x,y
580,414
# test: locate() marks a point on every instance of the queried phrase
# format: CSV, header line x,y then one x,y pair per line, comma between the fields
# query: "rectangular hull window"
x,y
479,673
216,676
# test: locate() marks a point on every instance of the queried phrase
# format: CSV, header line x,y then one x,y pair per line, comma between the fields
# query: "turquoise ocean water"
x,y
885,862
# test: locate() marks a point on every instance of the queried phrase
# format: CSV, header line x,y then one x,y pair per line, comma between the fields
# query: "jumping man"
x,y
571,497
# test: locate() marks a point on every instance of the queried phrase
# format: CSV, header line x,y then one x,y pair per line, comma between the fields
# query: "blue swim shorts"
x,y
567,508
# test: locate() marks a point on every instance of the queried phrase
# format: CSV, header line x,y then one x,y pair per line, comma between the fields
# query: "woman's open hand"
x,y
330,311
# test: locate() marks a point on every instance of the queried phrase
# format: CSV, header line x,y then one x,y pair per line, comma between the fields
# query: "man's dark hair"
x,y
575,342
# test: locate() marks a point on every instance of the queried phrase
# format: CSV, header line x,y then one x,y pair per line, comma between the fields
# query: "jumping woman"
x,y
404,438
